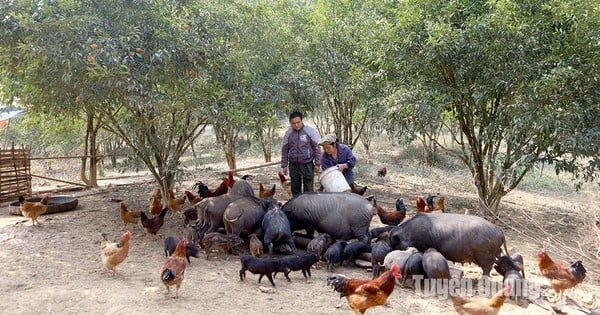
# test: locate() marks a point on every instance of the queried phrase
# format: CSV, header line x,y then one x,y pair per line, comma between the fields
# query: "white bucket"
x,y
333,180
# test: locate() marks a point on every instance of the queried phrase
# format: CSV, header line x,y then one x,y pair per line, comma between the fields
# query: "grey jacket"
x,y
300,147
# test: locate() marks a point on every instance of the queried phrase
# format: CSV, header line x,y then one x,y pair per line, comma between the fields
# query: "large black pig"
x,y
276,229
245,215
342,215
210,210
459,237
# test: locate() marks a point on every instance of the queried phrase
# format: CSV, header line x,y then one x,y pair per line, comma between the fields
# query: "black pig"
x,y
352,250
413,267
435,265
333,255
301,262
459,237
263,266
378,252
276,228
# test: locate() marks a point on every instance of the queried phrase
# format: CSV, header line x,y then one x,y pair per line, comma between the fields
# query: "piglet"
x,y
263,266
333,255
354,249
378,252
301,262
435,265
276,228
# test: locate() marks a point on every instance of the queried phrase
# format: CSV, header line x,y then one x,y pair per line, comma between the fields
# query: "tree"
x,y
520,81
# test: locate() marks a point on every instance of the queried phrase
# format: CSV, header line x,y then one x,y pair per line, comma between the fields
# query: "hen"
x,y
382,172
434,206
561,277
174,204
174,268
156,193
129,216
480,306
285,184
263,193
359,190
205,192
152,225
391,217
192,198
421,204
114,253
363,294
33,210
156,205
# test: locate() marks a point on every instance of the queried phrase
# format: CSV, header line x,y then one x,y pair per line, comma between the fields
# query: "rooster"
x,y
230,179
114,254
33,210
561,277
391,217
434,206
382,172
263,193
174,268
205,192
363,294
285,184
481,306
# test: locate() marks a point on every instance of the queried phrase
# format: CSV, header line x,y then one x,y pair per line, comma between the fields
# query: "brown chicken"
x,y
129,216
480,306
263,193
155,207
391,217
363,294
382,172
174,268
433,206
114,253
285,184
561,277
230,179
359,190
193,199
421,204
32,210
152,225
156,193
174,204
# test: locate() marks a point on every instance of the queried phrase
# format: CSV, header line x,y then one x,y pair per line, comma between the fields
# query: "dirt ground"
x,y
55,268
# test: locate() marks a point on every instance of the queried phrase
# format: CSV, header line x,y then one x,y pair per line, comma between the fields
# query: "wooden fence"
x,y
15,173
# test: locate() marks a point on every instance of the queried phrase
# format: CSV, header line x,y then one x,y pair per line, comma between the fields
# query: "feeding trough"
x,y
55,204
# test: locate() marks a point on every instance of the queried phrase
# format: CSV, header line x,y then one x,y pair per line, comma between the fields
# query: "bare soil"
x,y
55,268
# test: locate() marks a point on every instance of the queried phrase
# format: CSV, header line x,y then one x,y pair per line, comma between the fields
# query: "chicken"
x,y
434,206
33,210
156,193
129,216
192,198
285,184
382,172
230,179
114,253
174,268
480,306
174,204
263,193
421,204
205,192
155,207
391,217
561,277
363,294
359,190
152,225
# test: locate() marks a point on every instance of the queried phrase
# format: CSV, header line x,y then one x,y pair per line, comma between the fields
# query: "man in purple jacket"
x,y
301,154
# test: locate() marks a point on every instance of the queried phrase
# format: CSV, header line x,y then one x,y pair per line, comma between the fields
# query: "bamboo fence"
x,y
15,173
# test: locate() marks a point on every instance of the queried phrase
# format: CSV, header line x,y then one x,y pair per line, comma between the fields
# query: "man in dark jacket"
x,y
301,154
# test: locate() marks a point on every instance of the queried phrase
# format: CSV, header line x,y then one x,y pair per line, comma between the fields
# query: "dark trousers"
x,y
301,176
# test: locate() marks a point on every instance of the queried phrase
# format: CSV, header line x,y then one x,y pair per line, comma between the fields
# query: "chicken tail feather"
x,y
337,282
168,275
578,270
